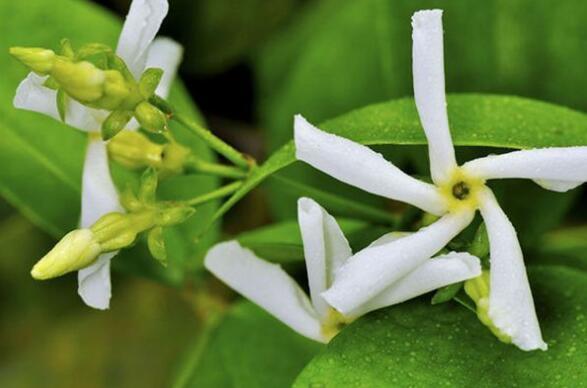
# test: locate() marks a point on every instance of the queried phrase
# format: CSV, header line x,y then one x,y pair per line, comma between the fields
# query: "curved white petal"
x,y
99,196
544,164
142,24
165,54
358,165
511,306
32,95
429,94
559,186
435,273
94,282
84,118
265,284
325,249
372,270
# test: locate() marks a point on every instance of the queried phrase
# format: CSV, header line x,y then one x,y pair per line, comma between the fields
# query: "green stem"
x,y
212,140
218,193
195,164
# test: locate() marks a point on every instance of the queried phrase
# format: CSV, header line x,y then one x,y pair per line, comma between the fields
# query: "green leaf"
x,y
222,32
282,242
248,349
475,120
415,344
565,246
336,56
44,158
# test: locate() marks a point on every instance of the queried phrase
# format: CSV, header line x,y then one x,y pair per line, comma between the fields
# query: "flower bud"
x,y
478,290
149,81
116,230
39,60
174,158
156,245
115,123
76,250
135,151
174,215
81,80
150,118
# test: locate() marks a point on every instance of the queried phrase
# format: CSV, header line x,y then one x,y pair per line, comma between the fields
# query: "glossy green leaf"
x,y
248,349
43,158
475,120
336,56
415,344
565,246
219,33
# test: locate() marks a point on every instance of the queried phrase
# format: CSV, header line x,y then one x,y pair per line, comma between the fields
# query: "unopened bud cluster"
x,y
114,231
97,78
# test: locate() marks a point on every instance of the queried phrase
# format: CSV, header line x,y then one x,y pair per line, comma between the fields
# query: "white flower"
x,y
138,47
325,250
455,196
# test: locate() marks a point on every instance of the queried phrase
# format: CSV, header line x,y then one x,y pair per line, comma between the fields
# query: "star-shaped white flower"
x,y
325,250
456,194
138,47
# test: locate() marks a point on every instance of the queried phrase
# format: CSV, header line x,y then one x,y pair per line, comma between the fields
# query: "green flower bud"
x,y
150,118
75,251
81,80
115,123
478,290
174,158
156,244
135,151
148,186
39,60
116,230
149,81
174,215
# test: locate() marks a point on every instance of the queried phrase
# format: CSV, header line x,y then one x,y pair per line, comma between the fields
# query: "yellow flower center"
x,y
333,324
461,191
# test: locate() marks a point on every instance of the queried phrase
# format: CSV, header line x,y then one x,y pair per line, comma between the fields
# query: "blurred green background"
x,y
249,66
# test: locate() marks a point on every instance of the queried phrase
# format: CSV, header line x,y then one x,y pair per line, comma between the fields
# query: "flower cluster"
x,y
110,94
96,98
376,276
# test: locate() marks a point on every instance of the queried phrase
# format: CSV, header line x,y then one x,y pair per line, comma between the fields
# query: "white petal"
x,y
84,118
325,249
94,282
433,274
567,164
559,186
165,54
511,306
358,165
428,73
372,270
32,95
99,196
265,284
142,24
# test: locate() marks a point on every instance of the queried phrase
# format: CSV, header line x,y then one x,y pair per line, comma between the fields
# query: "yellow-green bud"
x,y
150,118
174,158
39,60
174,215
135,151
116,230
156,244
149,81
478,289
115,123
81,80
76,250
